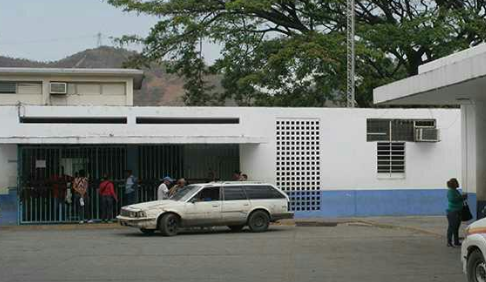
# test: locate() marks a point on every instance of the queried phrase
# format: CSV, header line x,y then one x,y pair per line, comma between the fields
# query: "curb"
x,y
85,226
357,222
287,222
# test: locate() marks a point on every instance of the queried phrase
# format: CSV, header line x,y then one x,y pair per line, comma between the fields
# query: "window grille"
x,y
391,157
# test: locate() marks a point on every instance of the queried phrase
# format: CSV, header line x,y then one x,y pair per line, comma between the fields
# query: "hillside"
x,y
158,89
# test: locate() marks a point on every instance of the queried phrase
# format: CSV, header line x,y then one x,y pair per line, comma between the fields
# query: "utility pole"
x,y
350,86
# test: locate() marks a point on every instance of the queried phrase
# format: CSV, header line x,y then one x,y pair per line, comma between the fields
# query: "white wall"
x,y
347,160
8,167
480,122
469,155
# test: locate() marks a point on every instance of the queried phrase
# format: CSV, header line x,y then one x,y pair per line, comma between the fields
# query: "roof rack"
x,y
238,182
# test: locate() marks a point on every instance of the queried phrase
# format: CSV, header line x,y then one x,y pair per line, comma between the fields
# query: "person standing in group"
x,y
180,184
163,190
130,188
236,175
108,197
455,203
80,189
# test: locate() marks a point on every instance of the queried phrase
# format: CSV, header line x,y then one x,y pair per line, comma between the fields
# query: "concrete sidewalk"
x,y
431,225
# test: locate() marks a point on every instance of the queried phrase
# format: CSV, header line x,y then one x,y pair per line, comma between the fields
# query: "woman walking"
x,y
108,196
455,203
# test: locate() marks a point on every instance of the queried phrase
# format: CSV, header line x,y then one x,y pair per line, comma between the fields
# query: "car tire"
x,y
476,267
259,221
147,232
169,224
236,228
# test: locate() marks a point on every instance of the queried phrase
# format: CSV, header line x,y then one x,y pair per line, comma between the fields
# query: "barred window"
x,y
395,129
391,157
378,129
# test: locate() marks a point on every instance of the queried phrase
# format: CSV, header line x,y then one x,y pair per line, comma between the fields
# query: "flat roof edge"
x,y
71,71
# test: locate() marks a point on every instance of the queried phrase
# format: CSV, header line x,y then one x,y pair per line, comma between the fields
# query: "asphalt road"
x,y
286,253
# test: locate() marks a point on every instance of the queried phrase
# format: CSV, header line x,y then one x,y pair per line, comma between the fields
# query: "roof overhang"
x,y
453,80
112,139
137,75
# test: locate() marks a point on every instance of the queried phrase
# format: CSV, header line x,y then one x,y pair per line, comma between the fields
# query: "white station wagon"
x,y
234,204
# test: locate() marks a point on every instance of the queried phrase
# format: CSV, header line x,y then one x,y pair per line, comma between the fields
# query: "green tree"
x,y
292,53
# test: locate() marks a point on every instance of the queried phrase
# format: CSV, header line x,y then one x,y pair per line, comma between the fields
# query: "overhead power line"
x,y
50,40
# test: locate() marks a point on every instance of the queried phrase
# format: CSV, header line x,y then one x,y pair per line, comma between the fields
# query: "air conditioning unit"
x,y
424,123
427,135
58,88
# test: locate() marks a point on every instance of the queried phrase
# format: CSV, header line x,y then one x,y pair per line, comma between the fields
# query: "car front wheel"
x,y
169,224
259,221
476,267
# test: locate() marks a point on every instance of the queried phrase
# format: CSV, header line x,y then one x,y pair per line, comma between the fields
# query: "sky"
x,y
49,30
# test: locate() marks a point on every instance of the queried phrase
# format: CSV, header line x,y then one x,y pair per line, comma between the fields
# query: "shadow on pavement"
x,y
196,231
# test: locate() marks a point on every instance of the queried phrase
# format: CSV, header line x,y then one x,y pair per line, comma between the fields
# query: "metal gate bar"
x,y
46,172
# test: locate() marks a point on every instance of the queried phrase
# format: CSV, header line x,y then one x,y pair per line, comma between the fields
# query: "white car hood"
x,y
153,205
478,224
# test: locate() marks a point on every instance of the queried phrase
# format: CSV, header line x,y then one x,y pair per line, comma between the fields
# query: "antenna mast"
x,y
99,40
350,86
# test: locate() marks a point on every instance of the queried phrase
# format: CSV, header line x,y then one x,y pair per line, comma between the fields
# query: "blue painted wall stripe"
x,y
401,202
9,208
344,203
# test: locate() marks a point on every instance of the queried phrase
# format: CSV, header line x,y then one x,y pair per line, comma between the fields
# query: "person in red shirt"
x,y
108,196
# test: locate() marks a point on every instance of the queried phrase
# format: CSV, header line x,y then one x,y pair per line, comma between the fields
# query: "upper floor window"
x,y
20,87
8,87
96,88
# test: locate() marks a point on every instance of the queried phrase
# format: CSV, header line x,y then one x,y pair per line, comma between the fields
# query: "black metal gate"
x,y
46,172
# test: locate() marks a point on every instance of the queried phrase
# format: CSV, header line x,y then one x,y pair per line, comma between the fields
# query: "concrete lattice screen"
x,y
298,162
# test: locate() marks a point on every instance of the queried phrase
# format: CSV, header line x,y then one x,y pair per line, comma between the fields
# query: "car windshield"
x,y
185,192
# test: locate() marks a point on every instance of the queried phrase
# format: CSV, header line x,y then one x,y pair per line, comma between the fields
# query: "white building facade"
x,y
332,162
455,80
34,86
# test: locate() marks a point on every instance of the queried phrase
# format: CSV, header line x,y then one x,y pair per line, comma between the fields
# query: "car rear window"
x,y
234,193
262,192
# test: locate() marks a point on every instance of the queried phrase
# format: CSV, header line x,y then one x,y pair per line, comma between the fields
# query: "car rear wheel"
x,y
476,267
236,228
169,224
259,221
147,232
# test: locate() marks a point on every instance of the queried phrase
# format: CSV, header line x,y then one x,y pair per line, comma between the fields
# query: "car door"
x,y
204,208
236,205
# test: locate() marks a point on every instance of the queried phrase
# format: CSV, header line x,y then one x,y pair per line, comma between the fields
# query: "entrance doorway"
x,y
45,173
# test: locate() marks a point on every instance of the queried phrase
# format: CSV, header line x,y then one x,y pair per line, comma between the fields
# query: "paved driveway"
x,y
343,253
